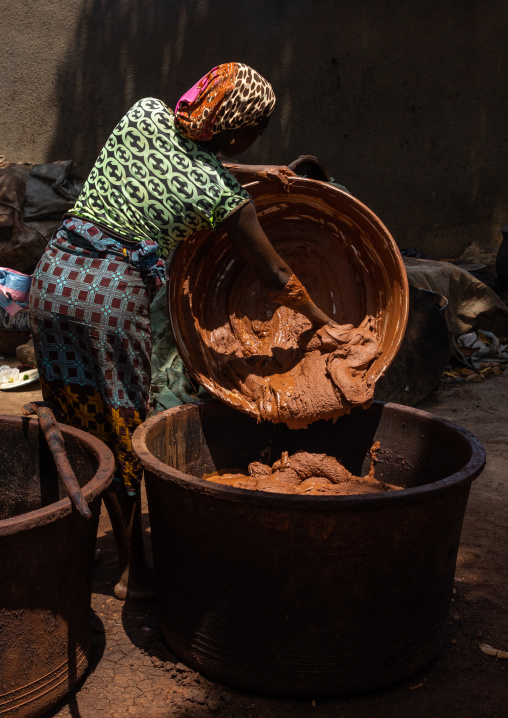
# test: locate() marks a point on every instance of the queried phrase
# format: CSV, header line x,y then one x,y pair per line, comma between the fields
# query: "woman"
x,y
156,182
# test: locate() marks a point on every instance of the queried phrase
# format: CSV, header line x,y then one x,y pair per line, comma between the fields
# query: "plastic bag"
x,y
51,190
8,375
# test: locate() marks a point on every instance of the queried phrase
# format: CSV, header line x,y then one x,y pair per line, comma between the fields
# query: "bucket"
x,y
47,552
306,596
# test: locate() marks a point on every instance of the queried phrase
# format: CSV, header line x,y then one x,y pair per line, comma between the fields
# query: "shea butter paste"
x,y
304,473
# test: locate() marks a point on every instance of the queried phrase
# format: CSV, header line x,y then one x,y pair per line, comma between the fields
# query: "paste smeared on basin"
x,y
304,473
275,361
256,355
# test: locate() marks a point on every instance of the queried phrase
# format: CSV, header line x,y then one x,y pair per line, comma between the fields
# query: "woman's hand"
x,y
277,170
275,173
250,173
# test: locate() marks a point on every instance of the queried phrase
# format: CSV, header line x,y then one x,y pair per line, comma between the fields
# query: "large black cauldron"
x,y
306,595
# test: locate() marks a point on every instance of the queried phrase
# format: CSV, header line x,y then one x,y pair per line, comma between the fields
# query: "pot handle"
x,y
55,440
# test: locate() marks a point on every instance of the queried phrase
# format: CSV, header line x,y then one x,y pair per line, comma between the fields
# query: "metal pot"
x,y
307,596
47,551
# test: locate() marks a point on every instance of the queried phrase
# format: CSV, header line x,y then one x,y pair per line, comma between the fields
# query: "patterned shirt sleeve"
x,y
232,196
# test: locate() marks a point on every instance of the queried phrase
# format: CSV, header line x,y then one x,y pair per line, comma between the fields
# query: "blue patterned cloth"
x,y
143,255
14,290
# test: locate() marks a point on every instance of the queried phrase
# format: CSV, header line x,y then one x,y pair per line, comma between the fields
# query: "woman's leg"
x,y
136,573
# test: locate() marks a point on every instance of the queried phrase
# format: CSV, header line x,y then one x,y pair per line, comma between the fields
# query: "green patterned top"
x,y
151,182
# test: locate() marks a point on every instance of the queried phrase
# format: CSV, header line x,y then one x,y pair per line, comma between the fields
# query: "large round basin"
x,y
306,595
47,555
224,323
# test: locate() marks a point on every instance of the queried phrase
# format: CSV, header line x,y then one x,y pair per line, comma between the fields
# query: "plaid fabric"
x,y
89,314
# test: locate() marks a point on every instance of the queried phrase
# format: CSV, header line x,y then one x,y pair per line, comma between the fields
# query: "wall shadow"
x,y
404,104
124,51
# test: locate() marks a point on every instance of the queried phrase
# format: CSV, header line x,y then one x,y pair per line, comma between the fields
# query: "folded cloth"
x,y
472,306
14,290
488,349
19,321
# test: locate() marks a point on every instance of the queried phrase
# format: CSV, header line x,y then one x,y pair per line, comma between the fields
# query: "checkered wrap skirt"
x,y
90,320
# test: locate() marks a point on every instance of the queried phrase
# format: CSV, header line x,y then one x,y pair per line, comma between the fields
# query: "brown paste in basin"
x,y
306,474
270,357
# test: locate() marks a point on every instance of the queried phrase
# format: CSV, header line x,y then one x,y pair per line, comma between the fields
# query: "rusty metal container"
x,y
47,553
308,596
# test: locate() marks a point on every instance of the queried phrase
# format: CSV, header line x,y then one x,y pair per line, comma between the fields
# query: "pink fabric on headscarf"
x,y
194,91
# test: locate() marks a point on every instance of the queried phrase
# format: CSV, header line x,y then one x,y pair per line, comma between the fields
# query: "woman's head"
x,y
231,103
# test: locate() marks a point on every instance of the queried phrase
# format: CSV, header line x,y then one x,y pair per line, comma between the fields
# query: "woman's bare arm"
x,y
248,237
249,173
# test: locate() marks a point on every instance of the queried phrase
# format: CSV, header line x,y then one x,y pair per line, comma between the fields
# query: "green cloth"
x,y
171,385
151,182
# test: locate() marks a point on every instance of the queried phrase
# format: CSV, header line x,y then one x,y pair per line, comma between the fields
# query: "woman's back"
x,y
151,182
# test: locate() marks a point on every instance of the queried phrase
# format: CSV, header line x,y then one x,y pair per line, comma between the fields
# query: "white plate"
x,y
33,375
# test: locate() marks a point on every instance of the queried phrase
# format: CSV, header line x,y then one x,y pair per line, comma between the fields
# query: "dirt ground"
x,y
133,672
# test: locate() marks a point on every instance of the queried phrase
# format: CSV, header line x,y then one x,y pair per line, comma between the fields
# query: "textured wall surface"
x,y
404,102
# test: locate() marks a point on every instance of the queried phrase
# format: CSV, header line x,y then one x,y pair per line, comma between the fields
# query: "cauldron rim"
x,y
467,473
52,512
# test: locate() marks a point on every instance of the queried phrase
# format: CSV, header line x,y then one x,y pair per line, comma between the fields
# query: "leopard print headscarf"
x,y
229,97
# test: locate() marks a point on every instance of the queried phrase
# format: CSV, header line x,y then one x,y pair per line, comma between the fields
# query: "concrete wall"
x,y
405,102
